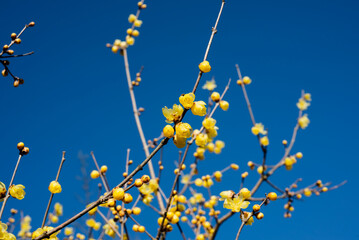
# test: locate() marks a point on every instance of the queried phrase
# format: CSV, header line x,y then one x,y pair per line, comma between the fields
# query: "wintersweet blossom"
x,y
172,114
55,187
209,123
303,121
199,108
183,130
233,201
244,217
187,100
17,191
109,228
258,128
210,85
302,104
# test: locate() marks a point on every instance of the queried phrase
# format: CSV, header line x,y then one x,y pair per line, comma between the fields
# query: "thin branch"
x,y
8,192
52,194
107,195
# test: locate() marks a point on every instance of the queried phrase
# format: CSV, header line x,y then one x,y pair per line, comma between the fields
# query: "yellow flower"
x,y
183,130
17,191
69,231
302,104
138,23
233,202
207,183
224,105
245,216
53,218
58,209
210,85
187,100
258,128
2,191
212,132
80,236
180,142
215,96
185,179
264,141
168,131
201,140
220,144
308,97
148,188
307,192
90,222
209,123
25,227
247,80
109,228
303,121
245,193
132,18
130,40
173,114
55,187
205,67
199,108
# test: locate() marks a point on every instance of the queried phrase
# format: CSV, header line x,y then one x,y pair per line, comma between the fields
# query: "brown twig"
x,y
52,194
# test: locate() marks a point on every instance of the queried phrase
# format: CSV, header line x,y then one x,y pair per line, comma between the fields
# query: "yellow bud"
x,y
272,196
215,96
204,66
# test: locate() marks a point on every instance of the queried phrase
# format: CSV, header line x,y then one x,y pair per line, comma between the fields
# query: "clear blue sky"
x,y
75,97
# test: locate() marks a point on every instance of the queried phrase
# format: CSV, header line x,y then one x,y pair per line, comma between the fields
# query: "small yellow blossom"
x,y
187,100
247,80
212,132
17,191
138,23
130,40
245,216
201,140
245,193
210,85
219,144
69,231
180,142
303,121
132,18
172,114
205,67
264,141
308,97
209,123
302,104
183,130
210,147
109,228
260,169
207,183
80,236
94,174
215,96
199,108
168,131
307,192
53,218
55,187
58,209
224,105
198,182
234,202
258,129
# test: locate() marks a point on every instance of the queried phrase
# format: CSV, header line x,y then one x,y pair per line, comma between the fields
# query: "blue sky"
x,y
75,97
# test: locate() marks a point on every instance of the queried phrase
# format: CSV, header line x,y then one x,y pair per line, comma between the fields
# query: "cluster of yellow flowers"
x,y
290,160
25,227
303,104
182,131
131,32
